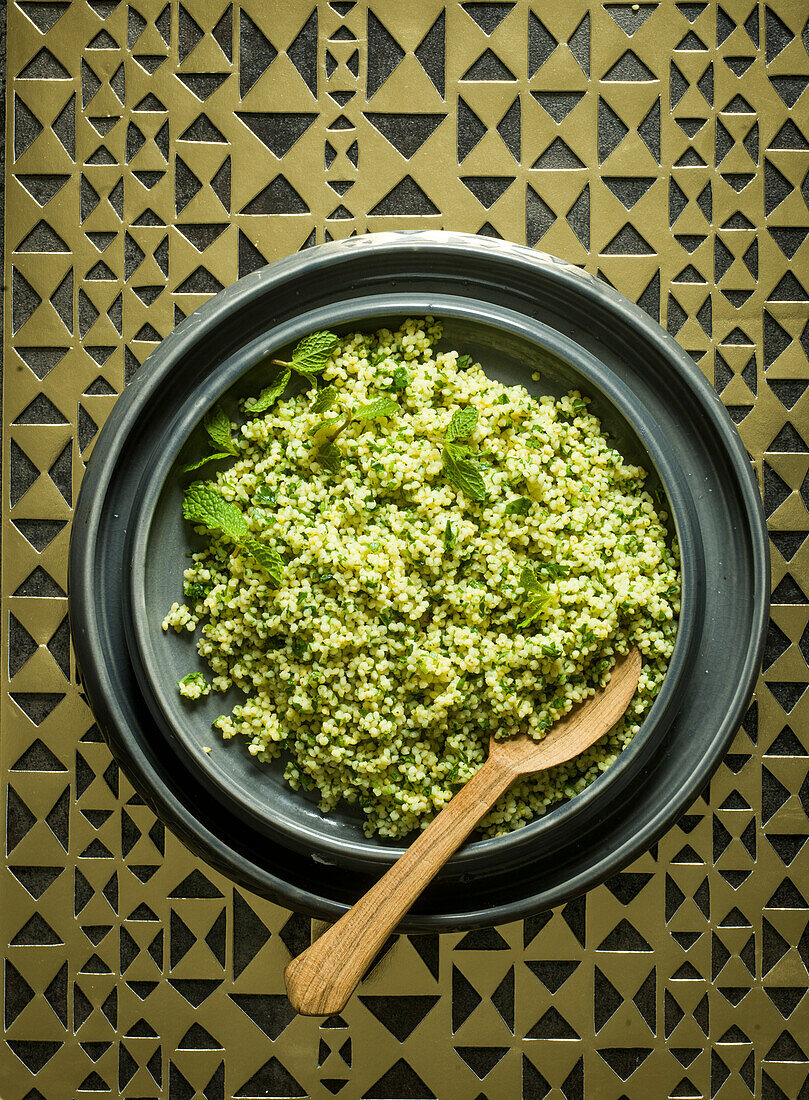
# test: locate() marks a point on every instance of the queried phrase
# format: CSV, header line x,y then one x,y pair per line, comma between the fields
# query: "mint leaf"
x,y
324,400
463,361
269,395
382,406
449,537
518,507
528,580
268,558
313,352
462,424
401,378
329,422
536,607
265,495
539,599
217,425
203,505
463,474
330,456
208,458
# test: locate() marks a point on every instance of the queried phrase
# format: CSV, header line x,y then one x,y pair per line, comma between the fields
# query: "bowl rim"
x,y
161,466
92,523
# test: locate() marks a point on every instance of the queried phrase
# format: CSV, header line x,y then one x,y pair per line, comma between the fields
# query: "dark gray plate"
x,y
511,347
678,420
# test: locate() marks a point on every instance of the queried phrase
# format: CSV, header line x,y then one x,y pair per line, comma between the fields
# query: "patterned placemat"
x,y
157,151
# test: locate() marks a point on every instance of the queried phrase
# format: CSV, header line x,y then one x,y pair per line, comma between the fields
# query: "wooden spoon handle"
x,y
322,978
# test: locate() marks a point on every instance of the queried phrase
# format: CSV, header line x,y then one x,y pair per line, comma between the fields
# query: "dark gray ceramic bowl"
x,y
510,302
511,347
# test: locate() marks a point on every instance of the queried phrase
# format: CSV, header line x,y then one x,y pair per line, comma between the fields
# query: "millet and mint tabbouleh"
x,y
409,558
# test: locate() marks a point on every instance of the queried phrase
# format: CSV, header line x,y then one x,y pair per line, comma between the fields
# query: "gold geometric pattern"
x,y
157,151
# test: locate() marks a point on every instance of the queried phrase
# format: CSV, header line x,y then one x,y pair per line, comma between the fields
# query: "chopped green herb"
x,y
449,537
195,592
193,678
552,569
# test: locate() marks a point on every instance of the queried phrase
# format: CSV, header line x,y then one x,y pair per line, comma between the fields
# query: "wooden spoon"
x,y
322,978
